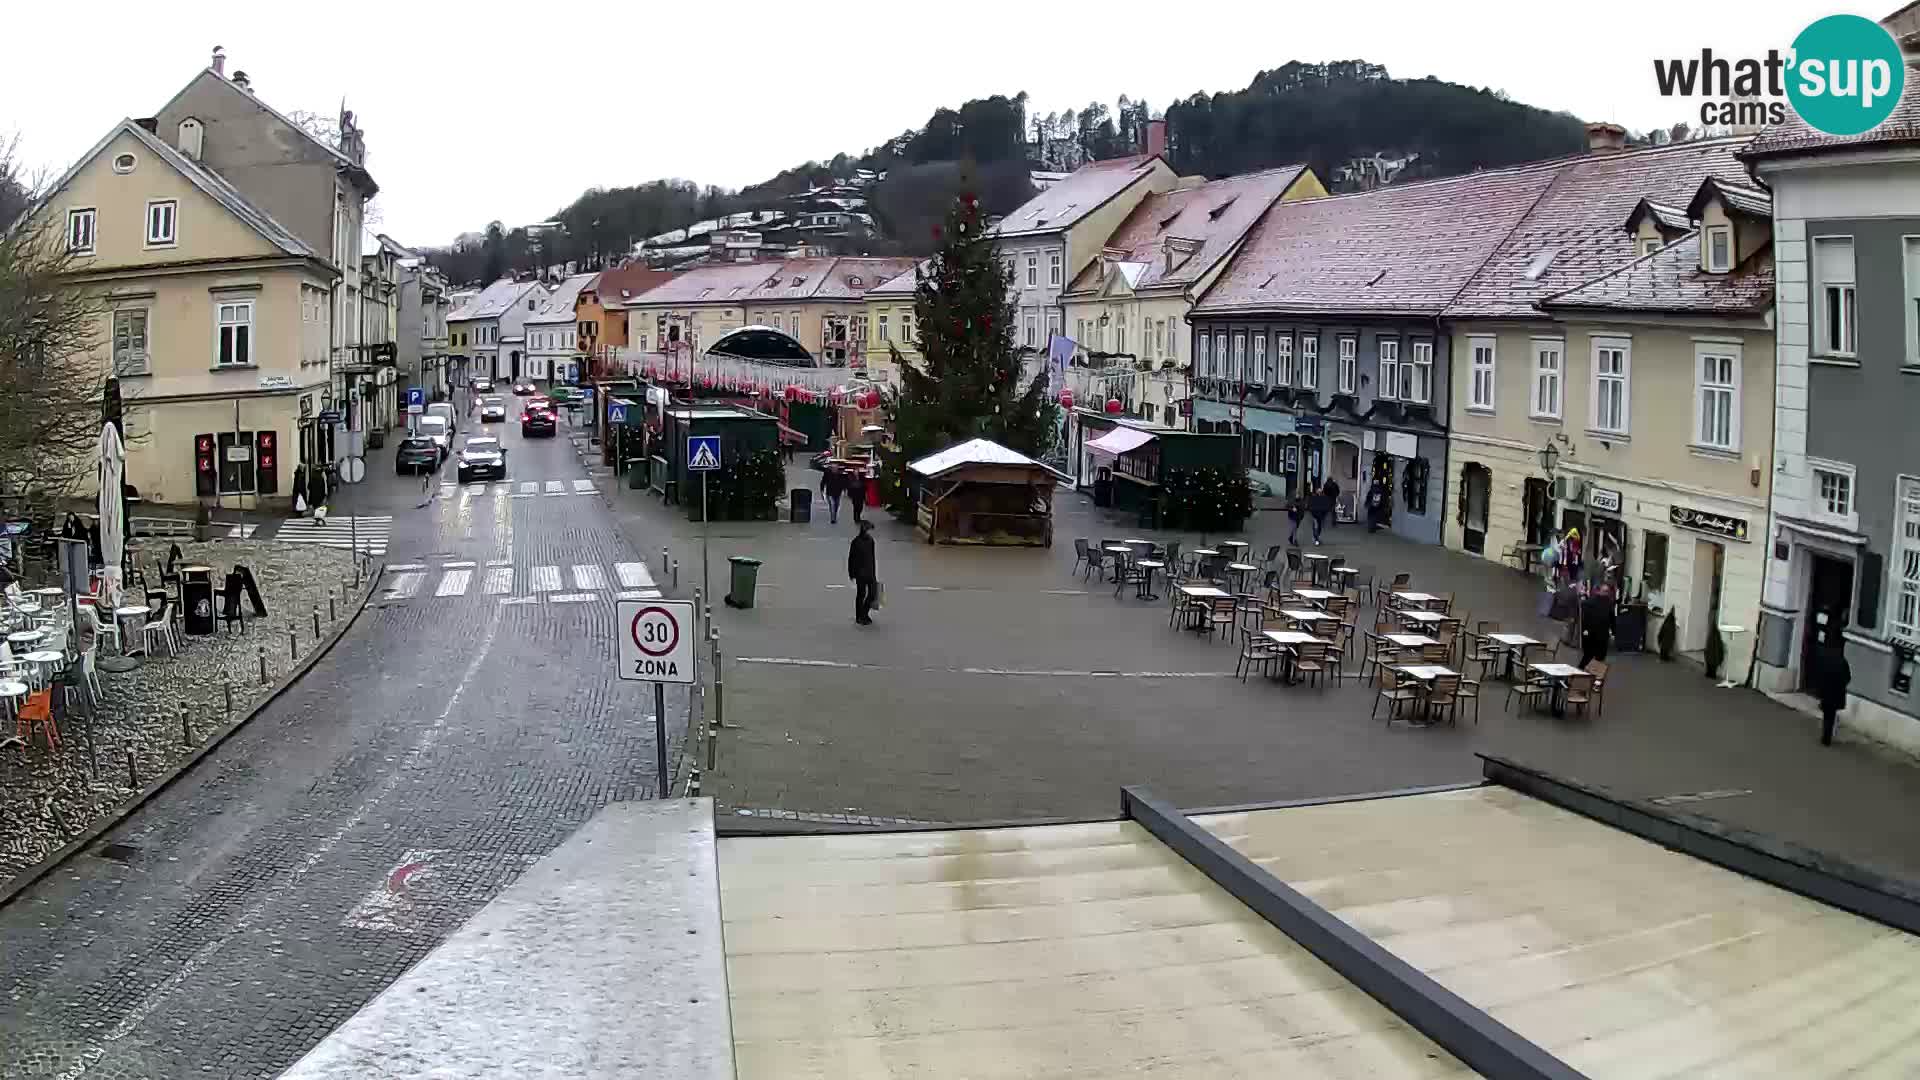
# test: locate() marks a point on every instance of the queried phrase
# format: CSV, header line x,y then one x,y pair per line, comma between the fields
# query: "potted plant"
x,y
1669,633
1716,651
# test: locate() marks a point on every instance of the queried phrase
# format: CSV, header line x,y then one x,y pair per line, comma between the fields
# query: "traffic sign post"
x,y
656,645
416,400
703,457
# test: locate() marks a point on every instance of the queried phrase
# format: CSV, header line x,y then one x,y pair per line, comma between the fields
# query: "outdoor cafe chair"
x,y
1343,641
1469,690
38,709
1255,648
1401,582
1222,612
1396,690
1380,656
1295,565
1172,559
1579,691
1485,652
1310,661
1598,669
1443,696
1273,554
1529,687
1438,653
161,630
1081,555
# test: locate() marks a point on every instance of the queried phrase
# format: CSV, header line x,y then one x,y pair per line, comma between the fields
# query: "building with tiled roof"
x,y
889,310
1321,342
1126,310
1047,241
553,341
1844,522
486,334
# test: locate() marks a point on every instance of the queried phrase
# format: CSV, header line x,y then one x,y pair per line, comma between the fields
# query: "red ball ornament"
x,y
936,232
1066,399
1114,406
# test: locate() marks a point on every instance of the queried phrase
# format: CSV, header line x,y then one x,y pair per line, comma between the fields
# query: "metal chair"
x,y
1444,695
1395,691
1255,648
1310,661
1579,691
1081,554
1598,669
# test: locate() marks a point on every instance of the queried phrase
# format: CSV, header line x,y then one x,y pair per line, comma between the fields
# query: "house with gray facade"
x,y
1844,531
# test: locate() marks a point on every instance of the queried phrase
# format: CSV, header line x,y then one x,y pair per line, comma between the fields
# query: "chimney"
x,y
1606,138
219,61
240,80
1156,138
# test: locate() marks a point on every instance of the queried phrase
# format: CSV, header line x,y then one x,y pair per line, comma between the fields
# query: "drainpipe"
x,y
1441,336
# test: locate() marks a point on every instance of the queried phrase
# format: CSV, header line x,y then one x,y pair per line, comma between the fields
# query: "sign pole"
x,y
660,739
706,526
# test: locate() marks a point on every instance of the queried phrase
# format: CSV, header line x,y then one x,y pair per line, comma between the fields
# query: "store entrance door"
x,y
1829,594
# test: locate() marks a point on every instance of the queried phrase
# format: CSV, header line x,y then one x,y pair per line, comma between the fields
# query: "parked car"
x,y
436,429
416,454
537,422
482,385
492,409
524,388
445,411
482,458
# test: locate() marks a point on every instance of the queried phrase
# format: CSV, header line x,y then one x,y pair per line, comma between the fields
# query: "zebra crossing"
x,y
369,533
577,583
516,489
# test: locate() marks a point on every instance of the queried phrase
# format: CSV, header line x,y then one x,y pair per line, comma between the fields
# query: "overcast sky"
x,y
479,111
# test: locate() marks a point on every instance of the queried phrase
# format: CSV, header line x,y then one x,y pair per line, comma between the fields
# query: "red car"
x,y
537,422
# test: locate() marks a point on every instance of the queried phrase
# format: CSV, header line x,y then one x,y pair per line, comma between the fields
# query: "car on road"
x,y
523,388
482,458
416,454
445,411
438,431
482,385
537,422
492,409
541,402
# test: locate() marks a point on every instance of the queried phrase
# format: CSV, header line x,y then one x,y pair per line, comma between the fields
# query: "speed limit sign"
x,y
656,640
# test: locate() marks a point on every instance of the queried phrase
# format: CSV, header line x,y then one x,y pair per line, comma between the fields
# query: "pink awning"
x,y
1119,441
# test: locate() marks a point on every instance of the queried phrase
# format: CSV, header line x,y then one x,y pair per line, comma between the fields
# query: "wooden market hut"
x,y
1128,463
979,492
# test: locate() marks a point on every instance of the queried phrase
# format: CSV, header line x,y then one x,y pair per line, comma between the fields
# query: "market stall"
x,y
980,492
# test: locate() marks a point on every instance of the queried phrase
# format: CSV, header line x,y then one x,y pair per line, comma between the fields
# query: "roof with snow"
x,y
1204,224
1087,189
557,308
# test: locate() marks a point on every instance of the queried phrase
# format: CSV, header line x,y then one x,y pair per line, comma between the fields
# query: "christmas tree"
x,y
968,382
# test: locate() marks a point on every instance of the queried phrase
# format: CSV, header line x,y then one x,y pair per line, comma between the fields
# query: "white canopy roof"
x,y
973,452
1120,440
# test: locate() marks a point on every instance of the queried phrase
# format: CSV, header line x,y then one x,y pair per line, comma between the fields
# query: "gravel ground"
x,y
46,796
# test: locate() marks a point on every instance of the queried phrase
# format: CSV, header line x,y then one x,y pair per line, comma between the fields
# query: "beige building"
x,y
1127,309
1636,407
215,317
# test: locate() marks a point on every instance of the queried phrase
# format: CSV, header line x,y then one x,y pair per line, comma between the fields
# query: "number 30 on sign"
x,y
656,640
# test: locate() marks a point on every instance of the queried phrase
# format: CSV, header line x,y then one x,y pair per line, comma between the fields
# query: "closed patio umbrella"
x,y
113,522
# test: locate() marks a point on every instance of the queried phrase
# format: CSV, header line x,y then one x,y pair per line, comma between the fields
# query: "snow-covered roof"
x,y
492,301
973,452
558,308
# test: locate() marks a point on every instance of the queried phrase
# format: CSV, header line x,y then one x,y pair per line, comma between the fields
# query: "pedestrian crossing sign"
x,y
703,453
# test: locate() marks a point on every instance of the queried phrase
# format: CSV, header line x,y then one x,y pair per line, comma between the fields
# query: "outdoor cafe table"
x,y
1236,546
1316,597
1147,568
26,639
1345,571
45,658
49,594
1119,552
1510,644
1287,639
1240,572
1559,673
1200,592
1317,564
1417,599
1425,673
1306,616
129,614
1410,641
1425,618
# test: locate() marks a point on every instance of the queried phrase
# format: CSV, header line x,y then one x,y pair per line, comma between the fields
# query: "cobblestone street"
x,y
414,771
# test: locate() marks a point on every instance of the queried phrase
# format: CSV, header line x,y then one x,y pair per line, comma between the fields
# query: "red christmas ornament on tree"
x,y
1114,406
1066,399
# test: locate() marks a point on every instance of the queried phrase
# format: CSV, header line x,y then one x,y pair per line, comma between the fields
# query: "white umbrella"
x,y
113,526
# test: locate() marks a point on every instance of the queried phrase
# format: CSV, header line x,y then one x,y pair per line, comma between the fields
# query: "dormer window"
x,y
1214,214
1719,249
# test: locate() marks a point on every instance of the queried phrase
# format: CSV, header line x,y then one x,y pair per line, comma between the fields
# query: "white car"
x,y
437,429
444,410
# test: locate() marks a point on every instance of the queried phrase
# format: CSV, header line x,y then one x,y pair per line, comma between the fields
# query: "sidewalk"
x,y
1000,685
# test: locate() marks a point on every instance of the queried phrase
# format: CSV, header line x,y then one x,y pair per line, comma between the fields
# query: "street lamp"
x,y
1549,456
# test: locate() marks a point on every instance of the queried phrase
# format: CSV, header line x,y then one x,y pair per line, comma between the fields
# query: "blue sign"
x,y
616,413
703,453
416,395
1309,424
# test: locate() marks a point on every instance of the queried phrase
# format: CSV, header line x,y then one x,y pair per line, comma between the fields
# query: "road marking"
x,y
583,487
520,600
787,661
399,566
588,576
447,487
466,564
499,562
1066,592
1701,796
502,489
555,487
545,579
499,581
923,588
571,598
405,585
454,583
528,487
640,594
633,575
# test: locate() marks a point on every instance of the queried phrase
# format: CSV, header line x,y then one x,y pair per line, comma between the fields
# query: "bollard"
x,y
186,728
263,665
693,783
698,628
59,818
676,575
663,558
93,753
226,684
333,613
719,679
293,642
316,621
133,771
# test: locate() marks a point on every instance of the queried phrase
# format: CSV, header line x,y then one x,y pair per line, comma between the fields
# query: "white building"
x,y
553,332
488,330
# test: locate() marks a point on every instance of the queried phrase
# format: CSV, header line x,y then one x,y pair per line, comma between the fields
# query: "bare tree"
x,y
52,386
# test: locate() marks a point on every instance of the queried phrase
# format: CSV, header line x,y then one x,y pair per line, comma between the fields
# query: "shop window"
x,y
1653,569
1413,486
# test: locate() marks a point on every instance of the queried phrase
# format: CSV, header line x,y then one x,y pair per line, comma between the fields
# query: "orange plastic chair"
x,y
38,710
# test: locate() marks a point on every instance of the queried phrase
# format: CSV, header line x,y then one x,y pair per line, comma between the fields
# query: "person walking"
x,y
832,485
1319,504
1333,501
1376,506
857,493
1831,674
1296,510
1596,624
860,569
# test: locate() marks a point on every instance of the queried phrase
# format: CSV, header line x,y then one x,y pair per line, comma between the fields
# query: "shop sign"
x,y
306,406
276,382
1309,424
1607,499
1686,517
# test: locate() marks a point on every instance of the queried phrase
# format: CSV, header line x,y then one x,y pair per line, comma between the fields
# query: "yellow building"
x,y
1127,309
213,315
889,322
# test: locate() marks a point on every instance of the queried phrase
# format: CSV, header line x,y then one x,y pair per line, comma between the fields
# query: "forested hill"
x,y
1355,124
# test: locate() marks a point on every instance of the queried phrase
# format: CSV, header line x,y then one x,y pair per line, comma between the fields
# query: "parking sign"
x,y
416,400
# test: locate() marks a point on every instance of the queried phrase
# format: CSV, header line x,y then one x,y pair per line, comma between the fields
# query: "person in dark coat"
x,y
1831,674
1296,511
1376,506
860,569
1596,625
1319,504
857,493
833,483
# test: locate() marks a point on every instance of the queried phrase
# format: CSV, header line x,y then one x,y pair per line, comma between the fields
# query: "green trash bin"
x,y
746,572
637,473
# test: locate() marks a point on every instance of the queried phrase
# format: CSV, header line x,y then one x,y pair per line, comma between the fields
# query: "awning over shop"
x,y
1120,440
